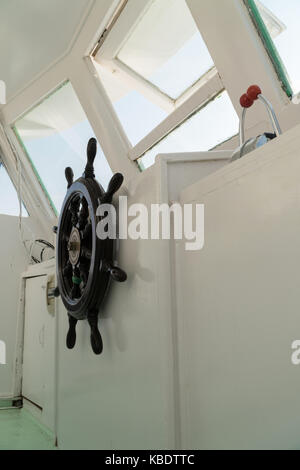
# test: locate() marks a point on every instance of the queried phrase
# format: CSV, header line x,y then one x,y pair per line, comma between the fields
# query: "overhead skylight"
x,y
166,48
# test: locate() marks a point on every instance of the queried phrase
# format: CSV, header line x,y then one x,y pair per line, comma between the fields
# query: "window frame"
x,y
269,46
206,88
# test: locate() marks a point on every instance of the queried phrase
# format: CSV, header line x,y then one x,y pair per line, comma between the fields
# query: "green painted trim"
x,y
43,100
141,165
35,170
5,403
270,46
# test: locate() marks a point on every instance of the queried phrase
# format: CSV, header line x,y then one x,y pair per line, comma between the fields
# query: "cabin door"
x,y
39,334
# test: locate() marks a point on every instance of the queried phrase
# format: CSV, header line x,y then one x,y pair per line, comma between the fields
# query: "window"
x,y
278,24
207,128
9,201
159,74
174,63
146,78
54,136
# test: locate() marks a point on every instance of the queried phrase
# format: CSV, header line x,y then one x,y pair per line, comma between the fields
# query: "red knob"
x,y
245,101
253,92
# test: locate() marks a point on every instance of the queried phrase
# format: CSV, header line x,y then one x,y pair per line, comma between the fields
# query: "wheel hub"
x,y
74,246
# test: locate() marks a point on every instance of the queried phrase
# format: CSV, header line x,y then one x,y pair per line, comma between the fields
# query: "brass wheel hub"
x,y
74,246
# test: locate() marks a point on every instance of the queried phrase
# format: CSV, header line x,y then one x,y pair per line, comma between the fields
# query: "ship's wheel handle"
x,y
113,186
71,335
91,154
69,176
96,338
116,273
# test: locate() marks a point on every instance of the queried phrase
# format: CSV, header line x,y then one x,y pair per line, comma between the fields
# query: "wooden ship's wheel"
x,y
85,263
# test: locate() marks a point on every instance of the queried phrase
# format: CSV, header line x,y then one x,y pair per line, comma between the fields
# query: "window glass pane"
x,y
166,48
137,114
55,135
207,128
9,202
282,21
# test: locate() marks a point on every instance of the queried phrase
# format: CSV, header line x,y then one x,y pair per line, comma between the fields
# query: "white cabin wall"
x,y
13,263
123,398
238,305
127,397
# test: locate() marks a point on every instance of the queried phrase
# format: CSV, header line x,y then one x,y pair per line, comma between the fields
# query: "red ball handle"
x,y
245,101
253,92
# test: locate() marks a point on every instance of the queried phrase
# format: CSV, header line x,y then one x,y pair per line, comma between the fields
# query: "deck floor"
x,y
19,431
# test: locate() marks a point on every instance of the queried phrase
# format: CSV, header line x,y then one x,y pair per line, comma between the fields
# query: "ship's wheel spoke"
x,y
76,280
74,208
87,232
83,214
86,253
65,238
68,270
84,272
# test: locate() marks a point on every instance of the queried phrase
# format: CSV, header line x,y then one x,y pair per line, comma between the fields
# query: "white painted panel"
x,y
185,169
13,261
123,398
34,372
239,304
33,35
39,349
39,343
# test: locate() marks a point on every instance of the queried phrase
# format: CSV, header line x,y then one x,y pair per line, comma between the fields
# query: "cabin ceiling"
x,y
33,35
